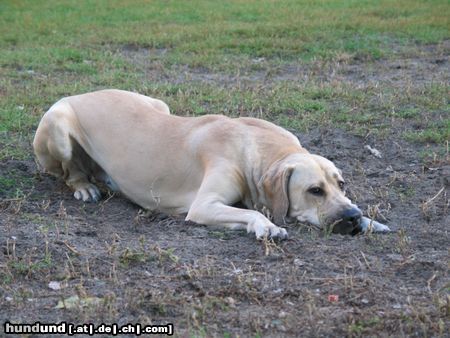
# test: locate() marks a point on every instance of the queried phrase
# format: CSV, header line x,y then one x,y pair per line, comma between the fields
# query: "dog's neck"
x,y
256,198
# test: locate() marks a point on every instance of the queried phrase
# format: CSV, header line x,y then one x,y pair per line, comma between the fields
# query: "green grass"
x,y
28,267
437,132
287,28
51,49
15,184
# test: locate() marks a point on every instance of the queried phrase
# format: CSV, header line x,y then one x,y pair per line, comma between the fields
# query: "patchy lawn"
x,y
340,76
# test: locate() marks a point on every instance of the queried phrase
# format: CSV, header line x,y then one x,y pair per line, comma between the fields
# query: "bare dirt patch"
x,y
426,65
156,268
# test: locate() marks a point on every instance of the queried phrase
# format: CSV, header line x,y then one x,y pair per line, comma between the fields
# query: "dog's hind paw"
x,y
87,193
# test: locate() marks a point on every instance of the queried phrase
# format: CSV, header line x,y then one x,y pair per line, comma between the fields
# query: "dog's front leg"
x,y
214,212
211,207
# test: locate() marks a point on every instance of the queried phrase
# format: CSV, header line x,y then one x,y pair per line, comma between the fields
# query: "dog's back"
x,y
156,159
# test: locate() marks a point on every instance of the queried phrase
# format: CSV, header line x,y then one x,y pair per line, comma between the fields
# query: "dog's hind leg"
x,y
60,154
77,173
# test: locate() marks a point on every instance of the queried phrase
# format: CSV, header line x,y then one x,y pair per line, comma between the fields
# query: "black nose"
x,y
349,223
352,216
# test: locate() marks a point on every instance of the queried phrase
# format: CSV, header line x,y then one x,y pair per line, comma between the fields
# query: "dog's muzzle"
x,y
349,223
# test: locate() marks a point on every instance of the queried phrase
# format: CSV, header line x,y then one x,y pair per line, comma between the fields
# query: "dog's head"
x,y
309,188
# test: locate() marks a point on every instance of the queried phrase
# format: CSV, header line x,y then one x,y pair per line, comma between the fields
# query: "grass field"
x,y
339,74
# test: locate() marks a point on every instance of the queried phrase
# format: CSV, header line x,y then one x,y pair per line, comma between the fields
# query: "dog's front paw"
x,y
265,229
87,193
280,234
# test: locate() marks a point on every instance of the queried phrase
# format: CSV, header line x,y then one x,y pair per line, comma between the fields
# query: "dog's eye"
x,y
316,191
341,185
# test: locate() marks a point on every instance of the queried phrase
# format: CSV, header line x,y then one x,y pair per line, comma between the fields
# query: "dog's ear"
x,y
275,184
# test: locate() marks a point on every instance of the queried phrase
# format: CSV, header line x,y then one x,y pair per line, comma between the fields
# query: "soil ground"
x,y
131,266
